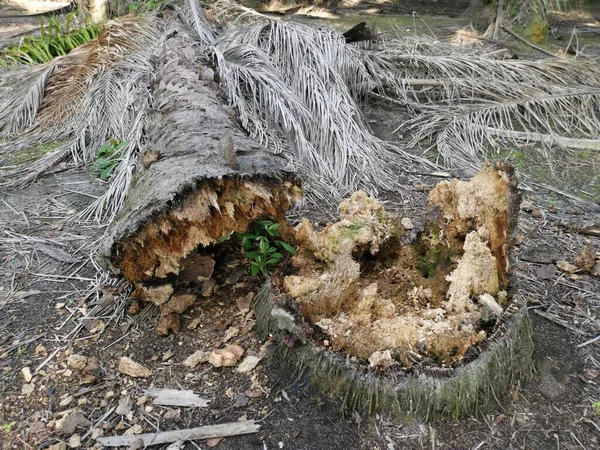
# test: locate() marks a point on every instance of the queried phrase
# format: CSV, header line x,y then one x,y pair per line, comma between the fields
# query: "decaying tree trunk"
x,y
201,179
423,324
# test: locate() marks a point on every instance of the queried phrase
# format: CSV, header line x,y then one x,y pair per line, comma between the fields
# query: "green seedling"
x,y
107,158
7,427
263,247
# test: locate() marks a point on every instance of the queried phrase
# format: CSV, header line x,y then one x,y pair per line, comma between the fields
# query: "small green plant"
x,y
7,427
107,158
262,247
596,408
54,40
21,351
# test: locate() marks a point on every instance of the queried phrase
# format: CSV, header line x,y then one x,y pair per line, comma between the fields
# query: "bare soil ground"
x,y
54,306
44,299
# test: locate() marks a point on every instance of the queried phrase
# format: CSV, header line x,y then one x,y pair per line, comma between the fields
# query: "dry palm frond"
x,y
192,14
98,91
469,103
293,81
464,134
21,94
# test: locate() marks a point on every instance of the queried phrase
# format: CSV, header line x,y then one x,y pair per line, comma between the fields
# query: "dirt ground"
x,y
54,305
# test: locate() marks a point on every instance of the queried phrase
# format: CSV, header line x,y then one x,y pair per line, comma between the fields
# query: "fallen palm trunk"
x,y
421,325
202,179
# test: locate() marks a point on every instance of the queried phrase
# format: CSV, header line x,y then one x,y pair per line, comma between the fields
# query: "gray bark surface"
x,y
192,137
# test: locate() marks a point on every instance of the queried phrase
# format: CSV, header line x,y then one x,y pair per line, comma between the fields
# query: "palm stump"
x,y
420,323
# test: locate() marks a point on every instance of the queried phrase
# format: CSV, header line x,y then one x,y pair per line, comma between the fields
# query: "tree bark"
x,y
201,178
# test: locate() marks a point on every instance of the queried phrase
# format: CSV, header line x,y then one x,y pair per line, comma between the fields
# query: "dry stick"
x,y
165,437
52,355
557,321
99,421
526,42
498,19
591,341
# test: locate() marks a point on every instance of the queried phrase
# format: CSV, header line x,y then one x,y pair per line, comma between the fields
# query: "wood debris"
x,y
166,437
177,397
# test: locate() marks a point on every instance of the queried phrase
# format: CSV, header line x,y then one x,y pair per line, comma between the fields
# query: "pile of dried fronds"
x,y
298,90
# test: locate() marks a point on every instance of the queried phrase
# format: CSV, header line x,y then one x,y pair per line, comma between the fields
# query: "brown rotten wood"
x,y
201,177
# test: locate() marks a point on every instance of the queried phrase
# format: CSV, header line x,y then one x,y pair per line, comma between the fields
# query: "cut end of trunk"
x,y
202,218
367,290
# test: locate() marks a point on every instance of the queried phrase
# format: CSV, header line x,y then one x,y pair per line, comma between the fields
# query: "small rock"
x,y
196,358
208,74
380,359
527,206
149,157
27,389
37,427
231,333
243,303
75,441
136,429
124,406
77,362
142,400
169,323
58,446
129,367
545,272
235,275
173,414
194,323
241,401
96,433
406,223
566,267
207,288
249,363
134,308
66,401
40,350
157,295
586,258
138,444
178,304
213,442
226,357
167,355
550,387
537,214
72,421
26,371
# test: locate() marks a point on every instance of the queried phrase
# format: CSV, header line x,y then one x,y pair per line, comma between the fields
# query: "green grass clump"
x,y
54,40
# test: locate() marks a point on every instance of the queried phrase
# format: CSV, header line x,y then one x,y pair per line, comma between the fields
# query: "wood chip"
x,y
166,437
26,371
249,363
226,357
129,367
196,358
176,397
